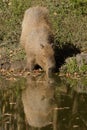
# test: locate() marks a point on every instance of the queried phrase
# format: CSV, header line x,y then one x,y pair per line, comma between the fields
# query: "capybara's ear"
x,y
42,46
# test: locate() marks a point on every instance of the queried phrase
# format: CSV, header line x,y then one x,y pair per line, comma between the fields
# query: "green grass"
x,y
72,66
69,19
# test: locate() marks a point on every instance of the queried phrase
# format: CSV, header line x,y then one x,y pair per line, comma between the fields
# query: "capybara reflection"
x,y
38,101
36,38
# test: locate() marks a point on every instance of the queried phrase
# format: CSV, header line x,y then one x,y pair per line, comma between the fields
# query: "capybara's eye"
x,y
42,46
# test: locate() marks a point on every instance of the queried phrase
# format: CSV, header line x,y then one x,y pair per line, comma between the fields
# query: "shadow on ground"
x,y
61,53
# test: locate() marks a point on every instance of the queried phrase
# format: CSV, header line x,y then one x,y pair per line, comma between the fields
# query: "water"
x,y
41,103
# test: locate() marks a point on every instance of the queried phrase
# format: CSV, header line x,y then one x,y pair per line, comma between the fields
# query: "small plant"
x,y
71,65
83,69
76,65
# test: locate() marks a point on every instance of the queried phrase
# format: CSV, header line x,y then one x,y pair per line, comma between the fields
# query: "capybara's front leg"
x,y
30,64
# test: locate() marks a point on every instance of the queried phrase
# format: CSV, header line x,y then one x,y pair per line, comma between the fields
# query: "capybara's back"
x,y
36,36
34,16
35,22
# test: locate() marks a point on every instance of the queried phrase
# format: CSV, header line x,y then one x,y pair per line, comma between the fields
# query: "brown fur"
x,y
36,38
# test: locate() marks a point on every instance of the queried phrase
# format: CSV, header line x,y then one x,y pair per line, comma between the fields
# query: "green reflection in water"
x,y
64,99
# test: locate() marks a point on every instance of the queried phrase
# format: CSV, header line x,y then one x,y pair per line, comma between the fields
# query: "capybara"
x,y
36,38
38,100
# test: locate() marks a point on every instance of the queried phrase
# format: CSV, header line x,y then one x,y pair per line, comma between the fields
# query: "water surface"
x,y
42,103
